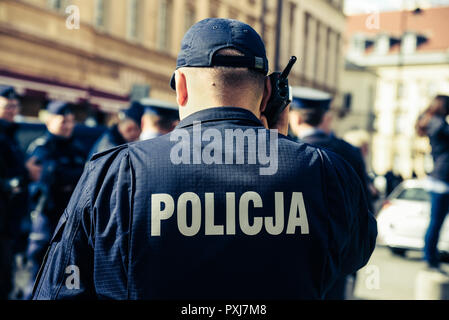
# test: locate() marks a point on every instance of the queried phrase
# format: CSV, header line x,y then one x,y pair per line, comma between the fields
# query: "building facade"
x,y
313,31
408,50
101,53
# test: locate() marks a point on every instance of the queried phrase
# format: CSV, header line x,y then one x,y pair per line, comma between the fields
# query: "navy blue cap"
x,y
202,41
309,98
8,92
60,107
160,108
134,112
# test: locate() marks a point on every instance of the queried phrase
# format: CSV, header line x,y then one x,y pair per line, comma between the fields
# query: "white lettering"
x,y
248,229
212,153
239,144
189,215
186,230
295,220
182,147
158,214
230,213
73,281
211,228
270,226
73,20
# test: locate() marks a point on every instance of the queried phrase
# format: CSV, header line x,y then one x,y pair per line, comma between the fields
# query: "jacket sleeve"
x,y
352,227
66,271
75,253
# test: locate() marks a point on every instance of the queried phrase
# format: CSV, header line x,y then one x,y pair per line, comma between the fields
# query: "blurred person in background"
x,y
393,180
126,130
432,123
157,120
311,122
361,140
15,175
62,159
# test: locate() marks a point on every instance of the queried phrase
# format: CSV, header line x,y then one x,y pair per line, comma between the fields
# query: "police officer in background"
x,y
159,118
15,175
126,130
194,214
62,159
310,120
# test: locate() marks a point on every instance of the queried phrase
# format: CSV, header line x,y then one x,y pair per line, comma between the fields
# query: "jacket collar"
x,y
221,114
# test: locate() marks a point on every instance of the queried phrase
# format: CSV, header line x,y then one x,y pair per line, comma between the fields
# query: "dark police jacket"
x,y
110,139
62,161
438,131
345,150
13,205
194,215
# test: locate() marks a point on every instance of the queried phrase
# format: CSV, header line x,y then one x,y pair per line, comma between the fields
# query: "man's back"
x,y
159,221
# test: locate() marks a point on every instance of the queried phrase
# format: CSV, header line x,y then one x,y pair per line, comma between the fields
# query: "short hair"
x,y
231,78
312,116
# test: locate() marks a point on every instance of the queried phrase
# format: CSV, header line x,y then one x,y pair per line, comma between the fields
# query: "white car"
x,y
403,220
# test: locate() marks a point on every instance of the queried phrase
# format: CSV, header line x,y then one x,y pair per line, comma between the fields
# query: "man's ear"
x,y
181,88
266,94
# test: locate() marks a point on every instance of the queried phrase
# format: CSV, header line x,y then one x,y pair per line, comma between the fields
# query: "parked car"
x,y
404,217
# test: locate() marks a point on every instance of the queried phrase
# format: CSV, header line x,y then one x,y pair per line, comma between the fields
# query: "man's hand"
x,y
34,170
282,123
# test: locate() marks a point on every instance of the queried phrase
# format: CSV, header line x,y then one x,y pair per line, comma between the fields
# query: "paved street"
x,y
388,277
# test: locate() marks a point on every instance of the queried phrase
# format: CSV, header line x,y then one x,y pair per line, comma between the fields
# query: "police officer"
x,y
126,130
159,118
221,208
310,121
62,159
15,175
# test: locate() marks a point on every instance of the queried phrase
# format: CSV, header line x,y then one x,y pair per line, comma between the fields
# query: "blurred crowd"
x,y
36,184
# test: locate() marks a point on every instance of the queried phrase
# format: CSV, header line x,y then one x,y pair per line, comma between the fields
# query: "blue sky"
x,y
366,6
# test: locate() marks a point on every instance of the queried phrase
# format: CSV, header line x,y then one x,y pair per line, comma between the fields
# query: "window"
x,y
347,101
358,45
58,5
164,24
291,34
327,52
101,13
134,19
414,194
337,58
306,40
